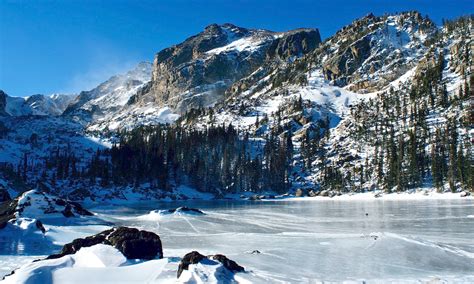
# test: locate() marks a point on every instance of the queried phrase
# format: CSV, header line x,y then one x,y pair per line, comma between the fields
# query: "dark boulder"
x,y
133,243
67,212
195,257
77,244
228,263
190,258
79,209
254,198
40,226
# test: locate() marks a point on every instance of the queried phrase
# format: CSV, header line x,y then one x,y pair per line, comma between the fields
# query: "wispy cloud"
x,y
103,61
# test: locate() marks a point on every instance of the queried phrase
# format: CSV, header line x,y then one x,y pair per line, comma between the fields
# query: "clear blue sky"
x,y
68,46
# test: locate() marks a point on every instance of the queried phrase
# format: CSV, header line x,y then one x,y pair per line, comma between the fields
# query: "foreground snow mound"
x,y
96,264
197,268
99,256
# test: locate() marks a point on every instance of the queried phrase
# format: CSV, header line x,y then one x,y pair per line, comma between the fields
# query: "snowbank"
x,y
96,264
419,195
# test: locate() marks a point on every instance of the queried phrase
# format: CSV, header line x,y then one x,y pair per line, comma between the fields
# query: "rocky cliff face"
x,y
3,103
197,72
373,51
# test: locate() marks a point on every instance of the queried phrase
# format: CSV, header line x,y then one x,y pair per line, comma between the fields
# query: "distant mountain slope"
x,y
199,71
51,105
109,96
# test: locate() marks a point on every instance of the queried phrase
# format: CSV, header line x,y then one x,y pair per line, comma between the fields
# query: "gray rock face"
x,y
3,103
375,50
197,72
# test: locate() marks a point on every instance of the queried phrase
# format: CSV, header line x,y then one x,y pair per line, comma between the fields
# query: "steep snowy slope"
x,y
376,50
108,97
389,46
197,72
17,106
53,105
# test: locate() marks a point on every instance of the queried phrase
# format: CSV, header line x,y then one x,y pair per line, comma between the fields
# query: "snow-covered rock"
x,y
197,268
133,243
35,203
29,211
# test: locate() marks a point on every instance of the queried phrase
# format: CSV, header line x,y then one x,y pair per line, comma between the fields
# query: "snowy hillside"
x,y
110,96
52,105
363,110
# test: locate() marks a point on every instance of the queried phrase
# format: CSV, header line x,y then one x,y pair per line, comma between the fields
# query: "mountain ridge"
x,y
314,94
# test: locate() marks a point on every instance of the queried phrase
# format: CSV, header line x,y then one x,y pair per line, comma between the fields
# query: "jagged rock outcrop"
x,y
3,103
373,51
197,72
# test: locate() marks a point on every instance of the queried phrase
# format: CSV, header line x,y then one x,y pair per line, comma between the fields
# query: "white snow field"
x,y
285,241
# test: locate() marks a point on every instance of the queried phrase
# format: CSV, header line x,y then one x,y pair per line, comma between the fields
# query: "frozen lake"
x,y
300,241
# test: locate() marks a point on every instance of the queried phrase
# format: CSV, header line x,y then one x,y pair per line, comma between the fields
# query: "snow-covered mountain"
x,y
382,49
53,105
199,71
108,97
46,105
339,100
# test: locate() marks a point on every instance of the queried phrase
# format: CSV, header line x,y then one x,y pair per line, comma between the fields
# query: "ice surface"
x,y
301,241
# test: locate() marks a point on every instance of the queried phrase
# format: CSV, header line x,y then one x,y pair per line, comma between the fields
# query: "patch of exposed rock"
x,y
133,243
